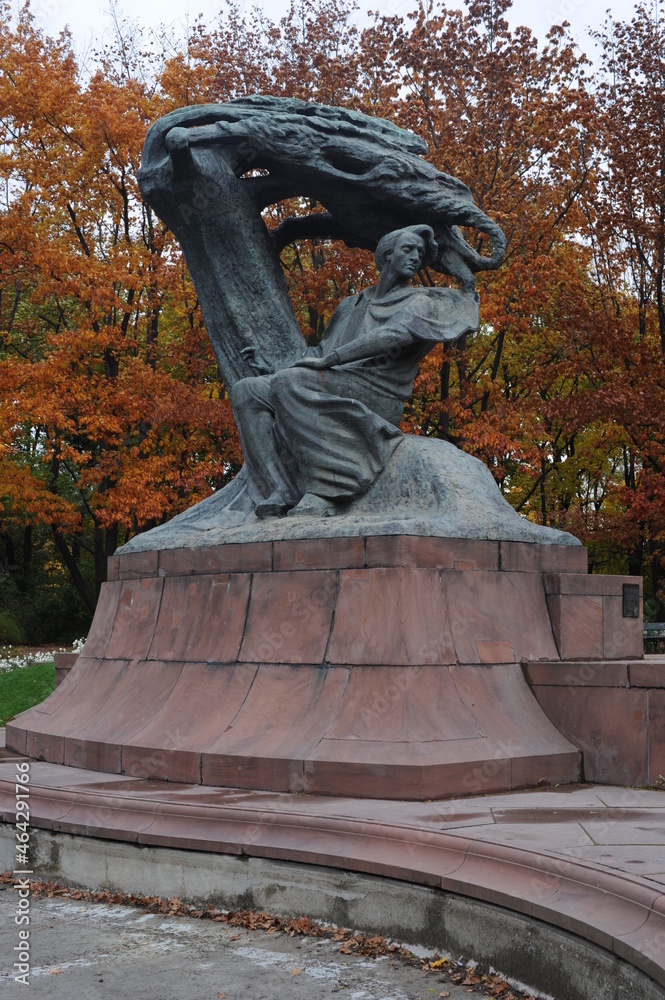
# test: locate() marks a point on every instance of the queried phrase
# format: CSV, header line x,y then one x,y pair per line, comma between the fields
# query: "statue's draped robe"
x,y
331,431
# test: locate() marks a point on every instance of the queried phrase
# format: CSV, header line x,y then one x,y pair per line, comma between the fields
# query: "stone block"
x,y
657,736
610,726
577,623
530,557
201,618
486,609
650,673
93,754
319,554
45,746
289,617
136,565
207,560
287,711
135,619
596,673
201,707
391,616
63,663
430,552
103,620
406,705
623,638
587,585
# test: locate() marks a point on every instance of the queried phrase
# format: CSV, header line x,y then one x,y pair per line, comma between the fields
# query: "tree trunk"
x,y
27,549
100,559
89,599
10,554
658,581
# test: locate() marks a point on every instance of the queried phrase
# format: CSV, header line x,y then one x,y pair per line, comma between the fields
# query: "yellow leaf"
x,y
439,962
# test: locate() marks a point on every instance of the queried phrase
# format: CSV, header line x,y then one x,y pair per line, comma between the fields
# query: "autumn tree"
x,y
111,412
625,210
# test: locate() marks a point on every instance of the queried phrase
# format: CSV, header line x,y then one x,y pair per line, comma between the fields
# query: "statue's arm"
x,y
384,341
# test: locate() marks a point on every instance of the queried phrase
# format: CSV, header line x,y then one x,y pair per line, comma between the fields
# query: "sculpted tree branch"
x,y
368,174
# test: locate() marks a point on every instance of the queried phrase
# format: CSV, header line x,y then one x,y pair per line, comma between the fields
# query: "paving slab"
x,y
96,951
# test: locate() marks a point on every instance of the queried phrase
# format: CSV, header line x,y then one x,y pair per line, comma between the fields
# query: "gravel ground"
x,y
84,950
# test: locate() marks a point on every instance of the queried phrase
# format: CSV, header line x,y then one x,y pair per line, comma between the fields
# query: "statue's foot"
x,y
312,506
274,506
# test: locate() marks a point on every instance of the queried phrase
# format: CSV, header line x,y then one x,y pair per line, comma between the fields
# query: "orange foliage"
x,y
112,416
112,413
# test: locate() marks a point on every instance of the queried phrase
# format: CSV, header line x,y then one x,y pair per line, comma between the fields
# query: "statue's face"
x,y
407,255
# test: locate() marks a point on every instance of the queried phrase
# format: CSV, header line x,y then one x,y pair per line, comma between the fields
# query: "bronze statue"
x,y
319,432
318,425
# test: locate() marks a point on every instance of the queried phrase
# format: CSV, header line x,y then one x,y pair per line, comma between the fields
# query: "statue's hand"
x,y
256,361
312,362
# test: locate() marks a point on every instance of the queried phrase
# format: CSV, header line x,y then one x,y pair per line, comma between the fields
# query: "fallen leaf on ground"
x,y
353,942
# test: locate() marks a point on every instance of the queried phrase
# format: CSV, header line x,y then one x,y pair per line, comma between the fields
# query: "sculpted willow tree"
x,y
377,189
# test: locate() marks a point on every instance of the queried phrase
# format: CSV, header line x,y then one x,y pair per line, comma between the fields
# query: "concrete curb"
x,y
531,951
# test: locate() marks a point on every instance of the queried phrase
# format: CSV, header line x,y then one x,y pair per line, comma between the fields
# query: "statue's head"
x,y
403,240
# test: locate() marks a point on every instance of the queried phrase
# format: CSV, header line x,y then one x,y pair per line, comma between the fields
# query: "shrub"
x,y
12,632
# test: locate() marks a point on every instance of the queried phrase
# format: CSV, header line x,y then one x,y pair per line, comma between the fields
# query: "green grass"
x,y
21,689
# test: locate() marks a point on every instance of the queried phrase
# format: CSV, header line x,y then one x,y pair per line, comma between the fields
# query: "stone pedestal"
x,y
63,664
386,666
614,711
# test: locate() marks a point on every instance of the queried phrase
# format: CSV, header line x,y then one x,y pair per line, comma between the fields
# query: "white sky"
x,y
87,18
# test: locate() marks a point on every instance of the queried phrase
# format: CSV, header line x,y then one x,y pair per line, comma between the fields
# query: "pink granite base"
x,y
383,667
614,711
63,664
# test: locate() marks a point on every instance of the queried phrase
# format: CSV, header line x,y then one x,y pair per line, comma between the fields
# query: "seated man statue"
x,y
318,434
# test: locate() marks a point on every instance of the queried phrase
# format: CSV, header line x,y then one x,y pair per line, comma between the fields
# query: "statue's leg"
x,y
269,477
339,444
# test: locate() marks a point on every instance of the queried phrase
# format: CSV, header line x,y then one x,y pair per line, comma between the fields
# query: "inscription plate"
x,y
631,600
